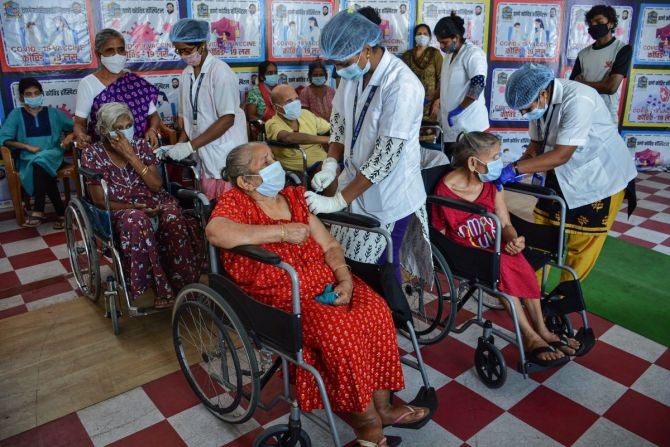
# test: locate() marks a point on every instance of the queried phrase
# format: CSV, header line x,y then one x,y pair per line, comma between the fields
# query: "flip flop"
x,y
32,221
391,441
411,425
565,343
60,224
534,357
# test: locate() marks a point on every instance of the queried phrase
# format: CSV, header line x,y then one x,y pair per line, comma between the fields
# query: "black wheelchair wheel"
x,y
82,249
490,364
280,436
215,354
559,325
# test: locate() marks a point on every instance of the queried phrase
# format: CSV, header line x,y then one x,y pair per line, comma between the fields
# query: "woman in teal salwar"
x,y
36,132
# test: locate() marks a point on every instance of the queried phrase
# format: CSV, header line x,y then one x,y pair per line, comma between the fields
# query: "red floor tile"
x,y
636,241
32,258
6,215
2,252
661,178
500,318
158,435
664,360
450,357
12,311
66,264
179,398
597,323
64,432
18,235
273,388
462,411
621,227
661,227
645,188
666,243
8,280
554,415
614,363
658,199
511,354
53,287
54,239
643,416
644,212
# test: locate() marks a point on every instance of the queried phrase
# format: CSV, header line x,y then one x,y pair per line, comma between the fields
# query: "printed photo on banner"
x,y
652,45
648,103
527,31
651,150
46,35
60,93
499,110
237,33
145,25
397,21
475,13
168,100
295,28
513,142
578,34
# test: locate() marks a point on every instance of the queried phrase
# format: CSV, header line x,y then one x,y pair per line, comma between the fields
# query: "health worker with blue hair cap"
x,y
210,118
375,124
586,161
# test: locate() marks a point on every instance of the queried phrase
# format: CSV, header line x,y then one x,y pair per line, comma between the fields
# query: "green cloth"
x,y
51,155
256,98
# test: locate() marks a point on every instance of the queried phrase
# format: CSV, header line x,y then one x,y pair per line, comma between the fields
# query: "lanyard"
x,y
546,130
359,123
194,105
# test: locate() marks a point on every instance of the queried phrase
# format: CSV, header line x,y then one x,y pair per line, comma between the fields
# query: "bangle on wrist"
x,y
144,171
283,233
342,266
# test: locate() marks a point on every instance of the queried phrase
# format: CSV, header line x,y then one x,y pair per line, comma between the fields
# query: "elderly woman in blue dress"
x,y
36,131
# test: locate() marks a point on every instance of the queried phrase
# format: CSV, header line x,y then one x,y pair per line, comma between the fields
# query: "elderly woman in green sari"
x,y
36,132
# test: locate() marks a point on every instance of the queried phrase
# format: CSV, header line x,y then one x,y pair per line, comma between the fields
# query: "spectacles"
x,y
185,51
108,52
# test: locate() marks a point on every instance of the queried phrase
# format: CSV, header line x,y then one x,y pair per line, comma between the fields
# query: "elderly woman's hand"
x,y
344,290
121,145
152,136
296,233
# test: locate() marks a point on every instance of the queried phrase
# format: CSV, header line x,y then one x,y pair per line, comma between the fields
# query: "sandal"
x,y
534,357
565,343
391,441
32,221
411,425
60,224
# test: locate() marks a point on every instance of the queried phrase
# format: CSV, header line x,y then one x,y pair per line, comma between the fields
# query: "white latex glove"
x,y
321,204
326,175
180,151
162,150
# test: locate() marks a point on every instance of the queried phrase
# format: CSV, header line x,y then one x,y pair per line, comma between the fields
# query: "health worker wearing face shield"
x,y
587,162
210,118
375,124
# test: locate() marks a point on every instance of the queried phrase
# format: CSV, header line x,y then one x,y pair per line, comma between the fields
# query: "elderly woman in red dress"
x,y
352,343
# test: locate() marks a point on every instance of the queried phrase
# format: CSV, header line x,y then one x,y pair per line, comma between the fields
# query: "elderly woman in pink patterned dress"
x,y
159,246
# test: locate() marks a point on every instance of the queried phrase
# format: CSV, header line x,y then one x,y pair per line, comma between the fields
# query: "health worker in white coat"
x,y
574,139
375,124
210,116
461,106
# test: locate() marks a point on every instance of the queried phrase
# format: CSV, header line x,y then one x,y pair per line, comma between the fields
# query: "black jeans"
x,y
45,185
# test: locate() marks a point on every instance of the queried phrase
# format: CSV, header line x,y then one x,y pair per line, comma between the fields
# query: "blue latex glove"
x,y
328,296
457,111
508,175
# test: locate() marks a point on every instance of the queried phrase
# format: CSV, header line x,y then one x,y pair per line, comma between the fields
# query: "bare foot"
x,y
570,348
402,414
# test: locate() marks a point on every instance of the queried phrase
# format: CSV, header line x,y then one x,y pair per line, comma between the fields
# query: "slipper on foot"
x,y
534,356
564,342
410,425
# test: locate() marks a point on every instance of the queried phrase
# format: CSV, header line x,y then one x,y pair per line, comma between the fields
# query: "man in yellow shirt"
x,y
294,125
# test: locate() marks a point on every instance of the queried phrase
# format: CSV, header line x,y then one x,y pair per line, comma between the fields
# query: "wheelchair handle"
x,y
184,163
534,190
460,205
257,254
89,173
345,218
189,194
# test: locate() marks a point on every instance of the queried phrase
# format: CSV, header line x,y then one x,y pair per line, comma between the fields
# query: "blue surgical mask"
x,y
494,169
450,49
353,71
34,102
422,40
274,179
292,110
537,113
272,80
319,80
129,133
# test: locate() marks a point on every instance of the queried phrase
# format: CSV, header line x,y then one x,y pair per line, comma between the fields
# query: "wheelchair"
x,y
466,271
229,345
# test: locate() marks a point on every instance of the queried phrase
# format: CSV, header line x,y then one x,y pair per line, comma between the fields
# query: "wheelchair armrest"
x,y
460,205
89,173
426,123
525,188
257,254
184,163
345,218
278,143
190,194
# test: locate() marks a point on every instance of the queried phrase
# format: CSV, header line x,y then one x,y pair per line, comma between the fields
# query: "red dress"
x,y
353,347
517,277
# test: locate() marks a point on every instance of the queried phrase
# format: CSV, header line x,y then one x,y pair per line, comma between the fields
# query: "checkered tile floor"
x,y
616,395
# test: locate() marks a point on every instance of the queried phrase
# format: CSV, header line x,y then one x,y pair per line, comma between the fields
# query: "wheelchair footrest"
x,y
531,368
564,299
427,398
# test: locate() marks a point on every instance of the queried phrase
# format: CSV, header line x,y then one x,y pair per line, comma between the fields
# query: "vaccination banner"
x,y
648,102
652,45
527,30
295,28
651,150
498,109
46,35
397,21
167,103
513,142
60,93
577,34
237,28
145,25
475,13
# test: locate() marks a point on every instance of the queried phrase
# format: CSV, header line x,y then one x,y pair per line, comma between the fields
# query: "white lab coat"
x,y
395,111
601,165
470,61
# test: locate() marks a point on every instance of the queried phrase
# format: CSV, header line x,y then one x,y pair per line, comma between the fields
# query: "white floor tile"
x,y
647,235
662,249
604,433
508,430
613,233
12,301
8,225
55,299
5,265
61,251
512,392
653,184
663,193
633,343
632,220
119,417
199,428
661,217
654,383
431,434
38,272
471,336
414,382
586,387
24,246
648,204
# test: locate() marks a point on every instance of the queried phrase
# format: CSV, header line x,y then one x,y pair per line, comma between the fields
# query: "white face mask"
x,y
422,40
114,63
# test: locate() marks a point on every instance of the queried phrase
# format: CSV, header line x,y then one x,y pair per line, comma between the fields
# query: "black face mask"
x,y
598,31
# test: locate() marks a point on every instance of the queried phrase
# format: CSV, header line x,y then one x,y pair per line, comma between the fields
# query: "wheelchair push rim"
x,y
215,354
82,250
